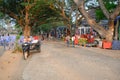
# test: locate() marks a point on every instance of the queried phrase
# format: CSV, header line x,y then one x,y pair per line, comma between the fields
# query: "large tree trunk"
x,y
111,17
110,31
102,32
27,31
107,34
27,28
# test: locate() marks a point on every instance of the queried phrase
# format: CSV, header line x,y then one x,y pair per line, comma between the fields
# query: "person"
x,y
12,42
73,39
68,40
76,40
27,39
8,39
3,40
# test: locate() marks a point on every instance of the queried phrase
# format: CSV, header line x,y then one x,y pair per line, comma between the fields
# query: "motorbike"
x,y
26,50
28,46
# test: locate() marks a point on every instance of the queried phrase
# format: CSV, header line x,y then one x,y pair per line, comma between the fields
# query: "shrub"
x,y
17,46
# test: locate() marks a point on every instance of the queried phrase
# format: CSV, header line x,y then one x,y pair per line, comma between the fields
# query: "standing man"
x,y
68,40
8,41
73,39
3,40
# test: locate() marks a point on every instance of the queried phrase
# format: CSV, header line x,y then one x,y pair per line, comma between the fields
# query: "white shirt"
x,y
73,38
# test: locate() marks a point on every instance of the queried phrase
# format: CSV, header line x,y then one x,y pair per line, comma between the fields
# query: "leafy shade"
x,y
100,15
44,12
1,15
47,27
110,6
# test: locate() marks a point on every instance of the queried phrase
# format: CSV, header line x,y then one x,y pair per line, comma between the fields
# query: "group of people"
x,y
7,41
31,39
74,39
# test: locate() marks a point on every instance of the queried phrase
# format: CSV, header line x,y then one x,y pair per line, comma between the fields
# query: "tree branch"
x,y
91,21
116,11
105,11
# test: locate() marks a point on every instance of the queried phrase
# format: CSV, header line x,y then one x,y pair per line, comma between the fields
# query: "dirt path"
x,y
11,66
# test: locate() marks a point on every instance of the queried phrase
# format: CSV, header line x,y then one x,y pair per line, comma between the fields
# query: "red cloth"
x,y
76,40
90,38
107,45
35,37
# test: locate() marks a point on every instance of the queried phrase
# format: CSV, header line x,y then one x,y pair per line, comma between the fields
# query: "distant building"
x,y
84,28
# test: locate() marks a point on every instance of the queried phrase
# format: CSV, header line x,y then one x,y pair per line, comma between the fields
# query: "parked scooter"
x,y
28,46
26,50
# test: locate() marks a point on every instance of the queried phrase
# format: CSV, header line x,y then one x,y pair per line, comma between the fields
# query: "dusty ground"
x,y
1,50
61,62
58,62
11,66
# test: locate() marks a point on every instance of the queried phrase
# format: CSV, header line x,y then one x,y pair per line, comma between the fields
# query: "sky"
x,y
6,25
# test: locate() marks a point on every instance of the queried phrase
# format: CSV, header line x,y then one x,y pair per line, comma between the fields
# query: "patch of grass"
x,y
17,47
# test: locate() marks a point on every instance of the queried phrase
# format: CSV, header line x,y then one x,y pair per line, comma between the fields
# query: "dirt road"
x,y
58,62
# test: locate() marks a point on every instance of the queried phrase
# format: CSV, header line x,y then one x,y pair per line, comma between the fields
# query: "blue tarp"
x,y
116,45
117,18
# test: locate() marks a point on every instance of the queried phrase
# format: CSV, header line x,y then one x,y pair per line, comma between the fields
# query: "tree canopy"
x,y
30,14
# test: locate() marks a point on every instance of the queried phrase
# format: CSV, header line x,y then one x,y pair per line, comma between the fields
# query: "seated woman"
x,y
27,39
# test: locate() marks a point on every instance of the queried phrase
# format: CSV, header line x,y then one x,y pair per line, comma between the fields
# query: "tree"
x,y
108,34
111,14
19,10
29,13
65,12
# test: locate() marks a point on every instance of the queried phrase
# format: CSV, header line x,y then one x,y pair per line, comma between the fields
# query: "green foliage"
x,y
13,6
1,15
110,6
99,14
43,27
24,3
82,41
41,12
18,28
17,37
46,27
17,47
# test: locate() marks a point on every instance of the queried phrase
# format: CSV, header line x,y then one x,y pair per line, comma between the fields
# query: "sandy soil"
x,y
12,66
